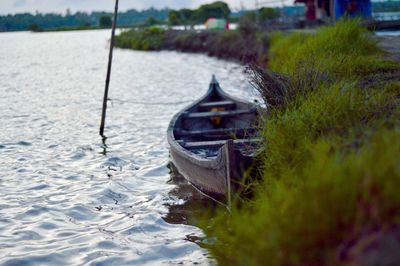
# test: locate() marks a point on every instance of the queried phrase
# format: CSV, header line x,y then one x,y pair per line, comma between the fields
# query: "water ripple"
x,y
69,197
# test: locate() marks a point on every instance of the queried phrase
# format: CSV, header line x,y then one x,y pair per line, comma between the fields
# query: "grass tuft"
x,y
344,51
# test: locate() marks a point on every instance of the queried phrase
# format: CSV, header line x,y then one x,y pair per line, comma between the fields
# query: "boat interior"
x,y
205,126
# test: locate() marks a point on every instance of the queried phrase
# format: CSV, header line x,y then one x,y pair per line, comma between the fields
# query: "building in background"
x,y
353,8
217,24
335,9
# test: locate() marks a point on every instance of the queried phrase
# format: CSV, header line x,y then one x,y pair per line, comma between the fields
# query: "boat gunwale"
x,y
211,162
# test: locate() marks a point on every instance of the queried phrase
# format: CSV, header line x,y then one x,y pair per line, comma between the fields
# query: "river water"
x,y
66,198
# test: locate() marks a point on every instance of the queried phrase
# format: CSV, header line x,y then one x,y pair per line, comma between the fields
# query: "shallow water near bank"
x,y
68,198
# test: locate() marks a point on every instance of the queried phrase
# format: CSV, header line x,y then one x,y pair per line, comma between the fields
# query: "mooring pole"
x,y
103,115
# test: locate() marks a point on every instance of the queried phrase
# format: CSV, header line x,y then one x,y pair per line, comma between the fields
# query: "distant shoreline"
x,y
243,46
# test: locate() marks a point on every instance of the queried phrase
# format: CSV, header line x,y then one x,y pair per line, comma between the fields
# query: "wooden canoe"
x,y
213,141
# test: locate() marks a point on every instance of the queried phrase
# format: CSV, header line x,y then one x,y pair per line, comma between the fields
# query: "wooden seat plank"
x,y
217,143
218,131
220,114
219,104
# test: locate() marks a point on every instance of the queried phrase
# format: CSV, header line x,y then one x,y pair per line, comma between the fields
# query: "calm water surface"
x,y
65,197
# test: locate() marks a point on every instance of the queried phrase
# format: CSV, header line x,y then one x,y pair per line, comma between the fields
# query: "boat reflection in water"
x,y
191,208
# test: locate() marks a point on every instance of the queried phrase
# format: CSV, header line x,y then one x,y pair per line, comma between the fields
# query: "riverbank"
x,y
74,28
328,191
244,46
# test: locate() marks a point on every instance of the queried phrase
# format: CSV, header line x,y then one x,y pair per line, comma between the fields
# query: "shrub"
x,y
105,22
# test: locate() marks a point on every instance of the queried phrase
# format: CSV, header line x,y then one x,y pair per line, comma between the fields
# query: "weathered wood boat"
x,y
213,141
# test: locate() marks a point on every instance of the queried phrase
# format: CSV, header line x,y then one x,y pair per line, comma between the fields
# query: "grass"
x,y
330,173
147,39
222,44
342,51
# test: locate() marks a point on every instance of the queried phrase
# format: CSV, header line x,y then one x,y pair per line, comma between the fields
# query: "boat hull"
x,y
210,176
221,173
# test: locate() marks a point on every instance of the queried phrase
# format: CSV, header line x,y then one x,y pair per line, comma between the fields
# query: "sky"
x,y
60,6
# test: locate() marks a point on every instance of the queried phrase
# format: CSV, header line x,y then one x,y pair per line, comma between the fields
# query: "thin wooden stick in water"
x,y
103,115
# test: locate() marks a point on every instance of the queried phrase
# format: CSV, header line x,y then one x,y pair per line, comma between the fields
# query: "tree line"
x,y
151,16
187,16
25,21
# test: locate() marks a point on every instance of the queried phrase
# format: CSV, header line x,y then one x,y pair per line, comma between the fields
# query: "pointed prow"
x,y
214,80
213,84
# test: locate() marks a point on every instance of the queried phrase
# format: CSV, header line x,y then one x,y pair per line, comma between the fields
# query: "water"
x,y
388,33
386,15
65,197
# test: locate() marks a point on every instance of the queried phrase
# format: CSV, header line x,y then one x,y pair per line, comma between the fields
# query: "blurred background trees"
x,y
24,21
105,22
189,17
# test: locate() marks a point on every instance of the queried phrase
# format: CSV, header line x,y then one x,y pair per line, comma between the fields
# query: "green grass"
x,y
147,39
346,50
329,172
